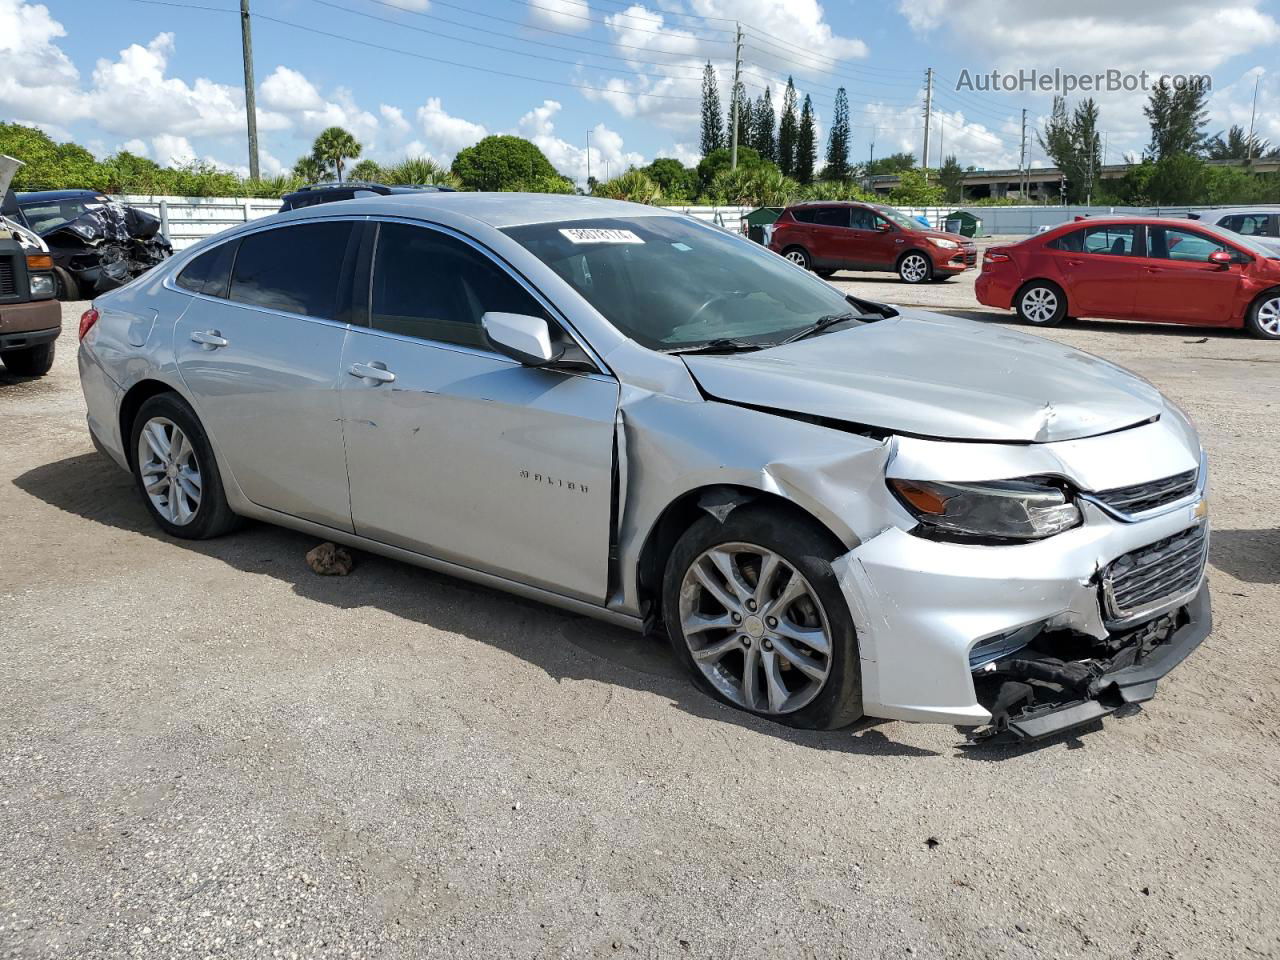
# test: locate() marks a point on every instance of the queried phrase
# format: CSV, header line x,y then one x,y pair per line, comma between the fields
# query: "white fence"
x,y
186,220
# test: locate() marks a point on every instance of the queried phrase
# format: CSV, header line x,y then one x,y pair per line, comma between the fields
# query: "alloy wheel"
x,y
170,471
797,257
914,268
1039,304
1269,317
755,628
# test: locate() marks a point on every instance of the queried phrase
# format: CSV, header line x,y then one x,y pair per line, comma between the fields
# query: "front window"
x,y
671,283
900,218
46,215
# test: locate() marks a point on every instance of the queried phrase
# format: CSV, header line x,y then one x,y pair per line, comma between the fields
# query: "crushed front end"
x,y
1024,640
108,246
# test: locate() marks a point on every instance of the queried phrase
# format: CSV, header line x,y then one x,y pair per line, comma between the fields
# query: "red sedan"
x,y
1136,268
827,236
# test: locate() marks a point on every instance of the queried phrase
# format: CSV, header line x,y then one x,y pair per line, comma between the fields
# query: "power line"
x,y
805,54
544,43
518,53
561,12
410,53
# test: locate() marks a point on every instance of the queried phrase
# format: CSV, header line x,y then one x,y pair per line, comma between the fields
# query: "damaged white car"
x,y
833,508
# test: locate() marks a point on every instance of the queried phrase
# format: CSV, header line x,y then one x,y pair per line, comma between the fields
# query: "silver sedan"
x,y
831,507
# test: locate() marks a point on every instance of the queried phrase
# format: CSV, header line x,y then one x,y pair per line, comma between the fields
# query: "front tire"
x,y
754,611
915,267
1264,316
799,256
65,286
30,361
1041,304
176,473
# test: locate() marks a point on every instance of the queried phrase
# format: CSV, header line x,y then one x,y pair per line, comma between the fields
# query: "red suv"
x,y
1137,268
826,237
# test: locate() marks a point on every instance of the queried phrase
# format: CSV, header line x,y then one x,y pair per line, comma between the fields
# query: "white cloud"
x,y
561,14
38,82
446,134
137,147
607,157
171,151
289,91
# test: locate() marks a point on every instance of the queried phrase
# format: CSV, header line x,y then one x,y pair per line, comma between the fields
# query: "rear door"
x,y
830,236
1181,285
1100,268
259,349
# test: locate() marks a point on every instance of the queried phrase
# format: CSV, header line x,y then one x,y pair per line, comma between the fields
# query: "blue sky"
x,y
166,80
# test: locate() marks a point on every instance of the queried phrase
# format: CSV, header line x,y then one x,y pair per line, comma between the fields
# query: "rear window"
x,y
808,215
833,217
1118,240
296,269
210,273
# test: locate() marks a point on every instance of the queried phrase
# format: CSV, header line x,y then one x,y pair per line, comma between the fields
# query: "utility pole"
x,y
928,117
1022,160
737,79
1253,116
588,161
250,106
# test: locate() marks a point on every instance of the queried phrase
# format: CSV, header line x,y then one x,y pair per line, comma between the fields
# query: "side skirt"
x,y
442,566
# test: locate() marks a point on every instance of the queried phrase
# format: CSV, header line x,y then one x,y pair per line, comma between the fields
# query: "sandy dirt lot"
x,y
208,751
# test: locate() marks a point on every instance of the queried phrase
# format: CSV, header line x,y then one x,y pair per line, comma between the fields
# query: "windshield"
x,y
672,283
46,215
900,218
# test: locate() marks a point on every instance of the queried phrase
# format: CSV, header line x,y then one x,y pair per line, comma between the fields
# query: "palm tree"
x,y
418,172
368,170
309,170
333,147
634,185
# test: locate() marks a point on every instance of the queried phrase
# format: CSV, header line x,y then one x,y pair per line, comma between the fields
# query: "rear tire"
x,y
29,361
1264,316
799,256
915,267
825,274
1041,304
799,612
175,470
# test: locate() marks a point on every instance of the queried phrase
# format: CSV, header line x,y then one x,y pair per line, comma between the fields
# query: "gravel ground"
x,y
208,751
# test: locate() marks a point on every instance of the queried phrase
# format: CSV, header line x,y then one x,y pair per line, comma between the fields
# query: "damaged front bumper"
x,y
1019,639
1035,693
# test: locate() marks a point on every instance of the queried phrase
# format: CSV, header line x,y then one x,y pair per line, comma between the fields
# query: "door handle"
x,y
1155,269
1074,263
209,338
372,372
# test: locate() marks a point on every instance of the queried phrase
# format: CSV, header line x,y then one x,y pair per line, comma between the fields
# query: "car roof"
x,y
1143,221
497,210
37,195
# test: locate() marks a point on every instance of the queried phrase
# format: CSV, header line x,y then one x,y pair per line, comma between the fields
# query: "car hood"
x,y
934,376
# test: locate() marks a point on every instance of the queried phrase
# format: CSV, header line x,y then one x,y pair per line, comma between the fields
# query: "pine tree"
x,y
806,143
838,142
762,120
1177,116
712,132
744,118
787,131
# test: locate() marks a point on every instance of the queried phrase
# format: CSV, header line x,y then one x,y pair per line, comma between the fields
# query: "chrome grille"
x,y
1148,496
8,280
1148,578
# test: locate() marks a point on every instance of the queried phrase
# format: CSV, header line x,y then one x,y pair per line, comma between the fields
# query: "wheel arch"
x,y
685,510
1048,281
132,402
1247,318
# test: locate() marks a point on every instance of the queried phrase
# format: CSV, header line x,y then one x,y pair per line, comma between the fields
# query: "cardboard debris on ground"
x,y
330,560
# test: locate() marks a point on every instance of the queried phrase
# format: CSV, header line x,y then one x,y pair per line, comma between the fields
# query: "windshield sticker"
x,y
682,247
600,236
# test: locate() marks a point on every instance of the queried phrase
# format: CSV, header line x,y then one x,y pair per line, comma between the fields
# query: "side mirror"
x,y
522,338
1221,259
884,226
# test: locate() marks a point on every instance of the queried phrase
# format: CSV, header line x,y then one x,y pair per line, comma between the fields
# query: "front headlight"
x,y
992,510
41,284
944,243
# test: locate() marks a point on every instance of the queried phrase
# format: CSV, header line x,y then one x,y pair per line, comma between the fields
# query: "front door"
x,y
1181,285
260,357
458,452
